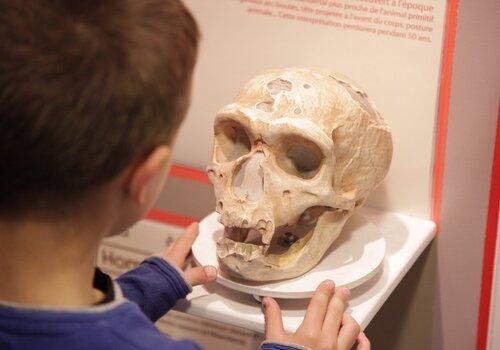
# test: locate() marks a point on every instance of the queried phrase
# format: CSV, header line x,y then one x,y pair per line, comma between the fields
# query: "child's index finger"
x,y
181,247
318,305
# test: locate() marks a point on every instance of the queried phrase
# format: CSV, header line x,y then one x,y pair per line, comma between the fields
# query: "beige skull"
x,y
295,153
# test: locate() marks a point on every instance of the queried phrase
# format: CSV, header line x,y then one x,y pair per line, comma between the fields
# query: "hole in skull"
x,y
287,239
307,86
285,236
231,141
279,85
299,156
266,106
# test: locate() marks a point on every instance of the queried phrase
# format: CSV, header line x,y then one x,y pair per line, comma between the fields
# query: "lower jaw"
x,y
265,267
250,262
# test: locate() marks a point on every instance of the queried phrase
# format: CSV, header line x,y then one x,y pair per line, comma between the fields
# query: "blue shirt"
x,y
142,296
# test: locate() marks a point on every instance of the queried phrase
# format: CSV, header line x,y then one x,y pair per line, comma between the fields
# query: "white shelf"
x,y
406,238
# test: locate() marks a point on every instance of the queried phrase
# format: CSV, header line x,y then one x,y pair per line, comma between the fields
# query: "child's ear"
x,y
147,177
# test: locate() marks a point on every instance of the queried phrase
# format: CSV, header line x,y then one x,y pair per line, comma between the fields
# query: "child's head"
x,y
91,92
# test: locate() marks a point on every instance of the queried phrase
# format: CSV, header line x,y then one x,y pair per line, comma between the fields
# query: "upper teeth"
x,y
229,247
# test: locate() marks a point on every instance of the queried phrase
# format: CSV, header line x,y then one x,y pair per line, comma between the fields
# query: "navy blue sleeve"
x,y
281,346
155,286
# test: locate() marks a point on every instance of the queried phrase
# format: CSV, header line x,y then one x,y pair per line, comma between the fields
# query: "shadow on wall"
x,y
395,237
379,198
405,321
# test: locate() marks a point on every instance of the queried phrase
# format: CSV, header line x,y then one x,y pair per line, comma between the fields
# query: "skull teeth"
x,y
261,225
247,251
232,220
244,235
240,230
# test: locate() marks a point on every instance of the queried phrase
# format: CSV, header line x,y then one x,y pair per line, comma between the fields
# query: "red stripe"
x,y
489,247
189,174
443,109
170,218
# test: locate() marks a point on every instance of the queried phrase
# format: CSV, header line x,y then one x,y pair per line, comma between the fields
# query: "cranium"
x,y
294,155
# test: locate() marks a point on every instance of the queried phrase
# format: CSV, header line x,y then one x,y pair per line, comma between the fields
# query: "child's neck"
x,y
49,263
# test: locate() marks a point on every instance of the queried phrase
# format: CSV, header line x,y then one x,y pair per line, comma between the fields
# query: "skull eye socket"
x,y
231,141
299,157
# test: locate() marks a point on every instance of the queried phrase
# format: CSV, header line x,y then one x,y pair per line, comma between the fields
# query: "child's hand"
x,y
178,251
325,325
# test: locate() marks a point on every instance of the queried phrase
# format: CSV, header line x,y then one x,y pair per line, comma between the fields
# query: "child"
x,y
92,94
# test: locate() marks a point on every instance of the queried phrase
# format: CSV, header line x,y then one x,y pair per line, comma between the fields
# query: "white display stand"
x,y
353,259
406,237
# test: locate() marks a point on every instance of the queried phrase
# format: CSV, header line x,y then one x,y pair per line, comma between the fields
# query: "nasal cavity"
x,y
249,179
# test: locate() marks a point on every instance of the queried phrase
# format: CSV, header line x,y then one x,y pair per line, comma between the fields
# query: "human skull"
x,y
294,155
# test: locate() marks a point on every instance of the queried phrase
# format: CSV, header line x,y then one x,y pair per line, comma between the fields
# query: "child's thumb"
x,y
200,275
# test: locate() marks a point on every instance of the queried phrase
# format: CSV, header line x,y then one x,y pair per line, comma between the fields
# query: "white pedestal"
x,y
406,238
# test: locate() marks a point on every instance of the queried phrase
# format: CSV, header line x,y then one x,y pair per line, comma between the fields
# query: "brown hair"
x,y
87,87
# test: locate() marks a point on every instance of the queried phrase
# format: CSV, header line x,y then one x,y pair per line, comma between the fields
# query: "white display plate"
x,y
352,259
